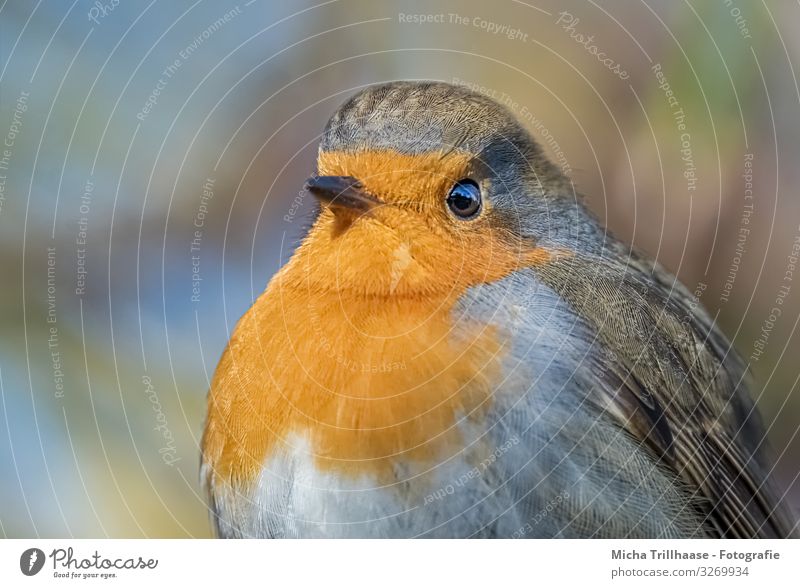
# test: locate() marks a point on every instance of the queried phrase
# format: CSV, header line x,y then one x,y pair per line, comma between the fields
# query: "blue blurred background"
x,y
150,184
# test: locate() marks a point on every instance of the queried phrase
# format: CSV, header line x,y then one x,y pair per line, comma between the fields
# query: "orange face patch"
x,y
353,345
412,245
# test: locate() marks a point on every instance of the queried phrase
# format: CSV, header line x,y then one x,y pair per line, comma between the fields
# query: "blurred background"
x,y
151,170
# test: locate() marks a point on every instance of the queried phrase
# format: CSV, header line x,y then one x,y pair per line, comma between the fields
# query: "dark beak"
x,y
341,193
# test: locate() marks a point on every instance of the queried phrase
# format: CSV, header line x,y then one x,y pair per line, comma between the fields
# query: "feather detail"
x,y
674,382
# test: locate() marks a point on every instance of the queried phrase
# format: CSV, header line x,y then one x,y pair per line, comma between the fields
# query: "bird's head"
x,y
429,188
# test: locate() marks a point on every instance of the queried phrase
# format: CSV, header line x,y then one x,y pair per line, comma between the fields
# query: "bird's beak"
x,y
342,193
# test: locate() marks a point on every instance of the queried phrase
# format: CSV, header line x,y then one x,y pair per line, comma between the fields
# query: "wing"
x,y
673,381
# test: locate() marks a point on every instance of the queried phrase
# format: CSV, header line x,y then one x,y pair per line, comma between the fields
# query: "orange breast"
x,y
366,381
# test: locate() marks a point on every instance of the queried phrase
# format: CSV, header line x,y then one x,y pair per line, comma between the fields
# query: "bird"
x,y
458,348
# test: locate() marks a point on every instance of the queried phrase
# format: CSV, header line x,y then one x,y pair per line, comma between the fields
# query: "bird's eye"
x,y
464,199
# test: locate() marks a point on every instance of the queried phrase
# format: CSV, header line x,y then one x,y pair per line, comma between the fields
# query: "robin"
x,y
459,349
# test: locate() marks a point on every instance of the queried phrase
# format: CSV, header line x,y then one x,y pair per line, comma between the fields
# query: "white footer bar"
x,y
389,563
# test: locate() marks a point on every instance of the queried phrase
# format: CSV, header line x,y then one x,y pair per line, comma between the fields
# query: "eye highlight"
x,y
464,199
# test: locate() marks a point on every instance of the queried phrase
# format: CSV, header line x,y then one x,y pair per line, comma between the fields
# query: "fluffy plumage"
x,y
412,374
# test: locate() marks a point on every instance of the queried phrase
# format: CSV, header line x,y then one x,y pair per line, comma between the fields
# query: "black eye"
x,y
464,198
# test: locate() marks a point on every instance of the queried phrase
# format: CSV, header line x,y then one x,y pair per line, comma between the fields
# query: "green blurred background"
x,y
155,143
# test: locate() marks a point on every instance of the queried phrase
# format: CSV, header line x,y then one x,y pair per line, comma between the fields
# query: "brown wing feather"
x,y
675,383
